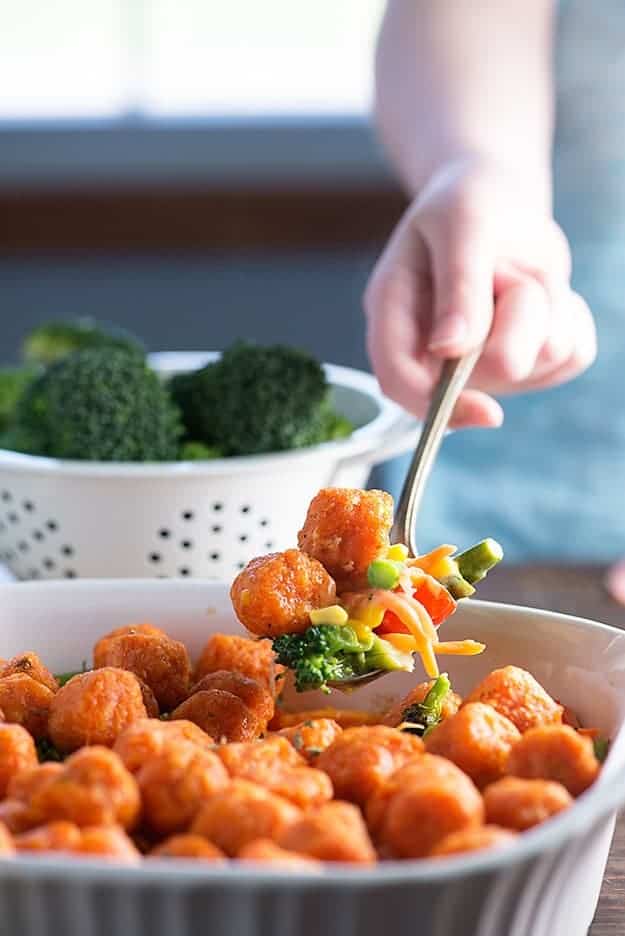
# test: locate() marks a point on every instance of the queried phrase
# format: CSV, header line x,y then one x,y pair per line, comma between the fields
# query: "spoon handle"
x,y
453,377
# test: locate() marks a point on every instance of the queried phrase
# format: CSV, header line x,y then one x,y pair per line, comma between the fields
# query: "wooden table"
x,y
574,590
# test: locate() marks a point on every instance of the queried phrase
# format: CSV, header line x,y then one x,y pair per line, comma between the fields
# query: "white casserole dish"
x,y
546,885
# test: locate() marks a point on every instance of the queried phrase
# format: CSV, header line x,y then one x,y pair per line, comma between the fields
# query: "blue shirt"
x,y
551,482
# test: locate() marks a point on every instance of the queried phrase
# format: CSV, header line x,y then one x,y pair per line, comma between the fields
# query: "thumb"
x,y
462,264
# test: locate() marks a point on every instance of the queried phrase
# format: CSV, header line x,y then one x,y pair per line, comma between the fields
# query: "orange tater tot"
x,y
146,738
175,784
345,530
17,752
310,738
29,664
253,658
157,660
555,752
108,842
360,760
264,851
23,785
16,816
475,839
251,692
517,803
477,739
451,703
335,832
220,714
275,594
246,759
188,846
93,788
516,694
94,708
58,835
24,701
241,813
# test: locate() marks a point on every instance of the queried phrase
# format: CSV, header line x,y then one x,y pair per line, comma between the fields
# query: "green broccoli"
x,y
100,404
259,399
197,451
422,717
54,340
321,654
13,382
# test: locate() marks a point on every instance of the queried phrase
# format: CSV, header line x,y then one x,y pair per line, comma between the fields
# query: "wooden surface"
x,y
574,591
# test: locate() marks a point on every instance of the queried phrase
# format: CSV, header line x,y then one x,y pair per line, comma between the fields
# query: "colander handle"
x,y
400,438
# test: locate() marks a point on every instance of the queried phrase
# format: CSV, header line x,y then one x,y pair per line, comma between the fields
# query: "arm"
x,y
464,105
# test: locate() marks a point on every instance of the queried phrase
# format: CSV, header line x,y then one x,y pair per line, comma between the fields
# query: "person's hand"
x,y
476,259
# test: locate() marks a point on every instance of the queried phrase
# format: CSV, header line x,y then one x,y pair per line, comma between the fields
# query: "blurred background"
x,y
191,169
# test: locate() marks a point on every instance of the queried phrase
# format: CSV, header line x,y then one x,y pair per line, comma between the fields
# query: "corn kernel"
x,y
333,614
398,552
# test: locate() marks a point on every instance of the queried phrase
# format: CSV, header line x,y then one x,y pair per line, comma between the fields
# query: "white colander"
x,y
197,519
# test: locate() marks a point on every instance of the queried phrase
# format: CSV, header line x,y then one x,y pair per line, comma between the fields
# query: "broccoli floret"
x,y
13,382
197,451
422,717
100,404
54,340
321,654
257,400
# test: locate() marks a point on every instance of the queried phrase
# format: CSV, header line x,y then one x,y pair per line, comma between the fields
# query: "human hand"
x,y
476,259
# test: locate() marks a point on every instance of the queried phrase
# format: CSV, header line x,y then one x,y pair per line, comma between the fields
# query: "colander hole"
x,y
6,496
217,528
38,535
264,522
164,533
185,570
240,565
52,525
9,555
245,509
186,544
67,550
155,557
28,506
13,517
243,538
214,556
35,573
3,527
69,573
269,544
217,506
23,546
48,563
187,515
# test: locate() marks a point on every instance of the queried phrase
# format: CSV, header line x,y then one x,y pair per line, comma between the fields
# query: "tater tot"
x,y
108,842
555,752
265,851
24,701
146,738
517,803
427,802
155,658
174,785
241,813
188,846
253,658
17,752
16,816
220,714
26,783
93,788
29,664
335,832
152,707
275,594
310,738
477,739
251,692
94,708
360,760
451,703
272,753
345,530
58,835
516,694
7,847
474,839
345,718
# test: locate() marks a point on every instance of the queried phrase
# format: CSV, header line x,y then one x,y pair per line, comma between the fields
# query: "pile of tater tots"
x,y
145,756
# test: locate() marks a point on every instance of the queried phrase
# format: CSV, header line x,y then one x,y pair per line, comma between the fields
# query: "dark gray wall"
x,y
310,298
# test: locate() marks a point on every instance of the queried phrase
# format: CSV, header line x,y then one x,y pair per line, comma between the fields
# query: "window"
x,y
177,58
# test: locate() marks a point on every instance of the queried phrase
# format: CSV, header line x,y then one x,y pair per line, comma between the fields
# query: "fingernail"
x,y
448,333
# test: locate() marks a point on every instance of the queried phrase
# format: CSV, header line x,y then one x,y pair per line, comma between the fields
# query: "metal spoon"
x,y
451,382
